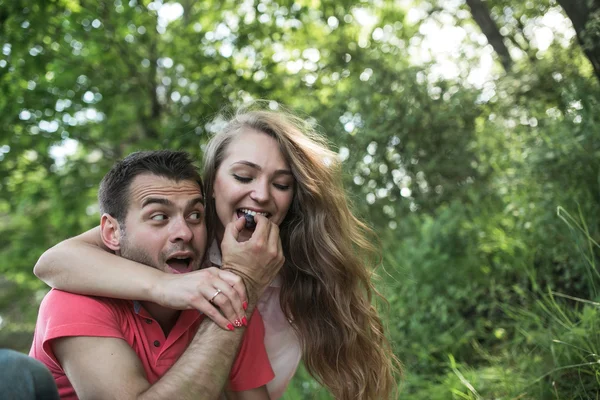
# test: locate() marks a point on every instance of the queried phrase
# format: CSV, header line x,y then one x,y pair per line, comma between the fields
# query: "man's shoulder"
x,y
64,314
60,301
57,295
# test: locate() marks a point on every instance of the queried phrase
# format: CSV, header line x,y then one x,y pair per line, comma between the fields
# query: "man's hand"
x,y
257,260
197,289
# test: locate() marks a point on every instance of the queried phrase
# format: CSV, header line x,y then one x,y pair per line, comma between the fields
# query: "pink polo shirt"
x,y
64,314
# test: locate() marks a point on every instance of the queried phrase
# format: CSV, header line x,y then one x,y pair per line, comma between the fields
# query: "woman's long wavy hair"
x,y
327,286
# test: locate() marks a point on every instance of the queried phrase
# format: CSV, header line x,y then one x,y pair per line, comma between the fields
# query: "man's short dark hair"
x,y
113,195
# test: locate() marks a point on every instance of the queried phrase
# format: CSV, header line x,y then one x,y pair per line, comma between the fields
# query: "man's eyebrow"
x,y
167,202
156,200
195,201
259,168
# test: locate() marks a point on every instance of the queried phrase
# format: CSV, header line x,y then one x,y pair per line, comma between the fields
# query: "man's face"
x,y
164,227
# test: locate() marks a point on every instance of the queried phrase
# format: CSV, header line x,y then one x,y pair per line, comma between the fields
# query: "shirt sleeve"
x,y
251,368
64,314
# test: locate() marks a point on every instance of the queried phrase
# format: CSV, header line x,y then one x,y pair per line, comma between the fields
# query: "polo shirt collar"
x,y
186,319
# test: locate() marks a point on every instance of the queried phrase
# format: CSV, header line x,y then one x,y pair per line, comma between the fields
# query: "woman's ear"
x,y
111,232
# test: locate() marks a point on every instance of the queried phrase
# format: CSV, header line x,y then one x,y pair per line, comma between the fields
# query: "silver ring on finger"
x,y
215,295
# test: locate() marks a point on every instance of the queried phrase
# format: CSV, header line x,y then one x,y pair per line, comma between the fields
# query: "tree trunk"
x,y
481,15
585,16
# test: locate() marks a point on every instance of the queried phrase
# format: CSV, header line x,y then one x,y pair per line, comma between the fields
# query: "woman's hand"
x,y
257,260
220,295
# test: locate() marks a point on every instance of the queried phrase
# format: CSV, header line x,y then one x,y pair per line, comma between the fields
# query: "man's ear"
x,y
111,232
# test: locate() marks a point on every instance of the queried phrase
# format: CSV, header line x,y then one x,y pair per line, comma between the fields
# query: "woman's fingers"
x,y
237,284
275,241
205,307
232,230
197,289
260,236
228,301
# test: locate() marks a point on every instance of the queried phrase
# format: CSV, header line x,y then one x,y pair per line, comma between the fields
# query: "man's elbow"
x,y
43,267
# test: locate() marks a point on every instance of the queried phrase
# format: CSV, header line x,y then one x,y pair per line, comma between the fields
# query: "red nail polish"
x,y
230,327
245,305
245,321
237,323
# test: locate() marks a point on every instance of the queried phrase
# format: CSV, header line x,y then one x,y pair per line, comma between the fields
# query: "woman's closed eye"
x,y
243,179
248,179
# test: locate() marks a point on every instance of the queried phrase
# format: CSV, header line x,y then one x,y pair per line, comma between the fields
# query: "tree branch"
x,y
482,17
585,16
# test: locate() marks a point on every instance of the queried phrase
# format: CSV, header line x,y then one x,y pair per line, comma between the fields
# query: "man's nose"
x,y
180,230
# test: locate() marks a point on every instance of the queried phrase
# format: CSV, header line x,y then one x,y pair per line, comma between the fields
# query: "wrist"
x,y
253,290
153,288
252,294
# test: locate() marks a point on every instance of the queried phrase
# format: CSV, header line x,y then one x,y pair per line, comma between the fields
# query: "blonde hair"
x,y
326,288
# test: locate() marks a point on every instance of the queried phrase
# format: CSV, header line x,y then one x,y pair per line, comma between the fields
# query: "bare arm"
x,y
201,372
84,265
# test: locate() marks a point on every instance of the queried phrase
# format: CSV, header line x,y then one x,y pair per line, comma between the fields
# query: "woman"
x,y
320,305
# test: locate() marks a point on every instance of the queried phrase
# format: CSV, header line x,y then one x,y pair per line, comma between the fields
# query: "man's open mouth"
x,y
180,264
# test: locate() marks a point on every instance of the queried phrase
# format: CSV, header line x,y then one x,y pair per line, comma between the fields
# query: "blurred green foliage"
x,y
491,292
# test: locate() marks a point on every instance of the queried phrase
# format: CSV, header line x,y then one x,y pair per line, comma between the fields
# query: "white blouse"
x,y
281,342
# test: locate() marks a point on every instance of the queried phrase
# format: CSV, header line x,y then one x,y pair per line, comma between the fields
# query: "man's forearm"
x,y
203,369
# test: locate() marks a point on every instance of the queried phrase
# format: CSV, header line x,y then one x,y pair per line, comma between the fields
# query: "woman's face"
x,y
252,178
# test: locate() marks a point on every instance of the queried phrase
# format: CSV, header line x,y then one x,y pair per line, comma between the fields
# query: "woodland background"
x,y
469,132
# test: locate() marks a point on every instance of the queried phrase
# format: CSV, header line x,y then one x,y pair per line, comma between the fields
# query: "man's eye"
x,y
196,215
158,217
243,179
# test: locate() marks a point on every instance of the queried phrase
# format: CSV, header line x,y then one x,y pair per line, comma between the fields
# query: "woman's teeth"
x,y
253,213
249,215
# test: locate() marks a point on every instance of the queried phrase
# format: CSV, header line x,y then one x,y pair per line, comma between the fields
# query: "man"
x,y
152,205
